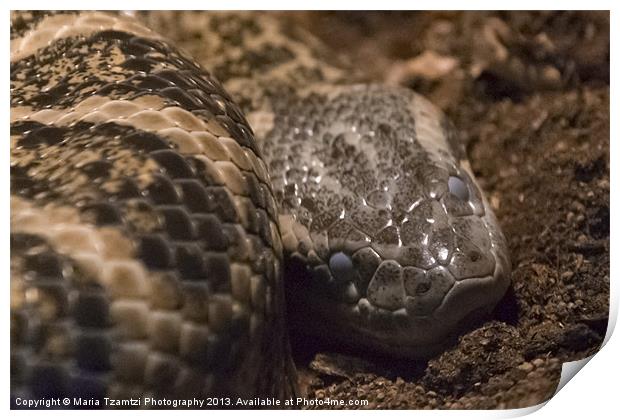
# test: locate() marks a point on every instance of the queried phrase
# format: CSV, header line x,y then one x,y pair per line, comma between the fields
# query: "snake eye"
x,y
457,187
341,266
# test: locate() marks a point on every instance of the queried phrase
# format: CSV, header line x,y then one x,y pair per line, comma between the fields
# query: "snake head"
x,y
410,248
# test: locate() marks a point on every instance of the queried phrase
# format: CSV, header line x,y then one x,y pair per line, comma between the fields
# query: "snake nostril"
x,y
458,188
474,256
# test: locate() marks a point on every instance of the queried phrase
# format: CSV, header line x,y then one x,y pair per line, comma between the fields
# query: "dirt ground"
x,y
529,93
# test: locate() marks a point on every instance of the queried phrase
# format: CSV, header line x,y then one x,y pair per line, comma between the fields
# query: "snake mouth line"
x,y
400,309
403,332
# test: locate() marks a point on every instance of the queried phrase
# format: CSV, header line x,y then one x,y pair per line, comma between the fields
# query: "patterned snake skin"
x,y
152,218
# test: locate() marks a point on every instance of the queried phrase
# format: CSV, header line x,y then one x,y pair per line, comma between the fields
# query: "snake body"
x,y
154,210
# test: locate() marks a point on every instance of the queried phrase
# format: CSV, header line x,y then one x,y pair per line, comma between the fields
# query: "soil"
x,y
529,94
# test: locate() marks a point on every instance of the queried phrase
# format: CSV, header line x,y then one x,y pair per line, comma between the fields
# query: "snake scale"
x,y
161,212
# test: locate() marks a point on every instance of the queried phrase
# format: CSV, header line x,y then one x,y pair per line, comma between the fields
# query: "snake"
x,y
172,214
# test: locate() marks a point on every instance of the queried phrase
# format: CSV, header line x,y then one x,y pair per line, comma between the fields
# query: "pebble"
x,y
526,367
578,206
567,275
603,184
579,261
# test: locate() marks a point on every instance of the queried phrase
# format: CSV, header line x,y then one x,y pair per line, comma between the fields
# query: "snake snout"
x,y
449,261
